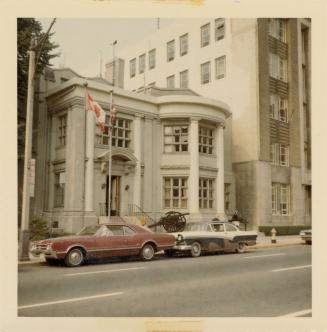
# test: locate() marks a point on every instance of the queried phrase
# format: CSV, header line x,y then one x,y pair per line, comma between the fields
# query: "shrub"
x,y
38,229
283,229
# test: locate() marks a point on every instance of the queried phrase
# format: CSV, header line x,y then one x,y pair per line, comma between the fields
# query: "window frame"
x,y
183,44
206,193
142,62
205,147
182,192
281,199
171,50
220,26
61,130
152,59
170,82
181,79
205,34
182,141
218,61
132,67
59,191
203,65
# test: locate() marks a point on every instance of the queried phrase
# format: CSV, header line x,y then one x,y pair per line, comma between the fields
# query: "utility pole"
x,y
110,129
24,232
28,162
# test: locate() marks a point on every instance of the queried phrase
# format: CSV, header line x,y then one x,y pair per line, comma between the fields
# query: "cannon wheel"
x,y
174,222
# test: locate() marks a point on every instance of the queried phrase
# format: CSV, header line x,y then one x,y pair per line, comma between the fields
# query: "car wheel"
x,y
169,252
196,249
147,252
308,242
74,258
241,247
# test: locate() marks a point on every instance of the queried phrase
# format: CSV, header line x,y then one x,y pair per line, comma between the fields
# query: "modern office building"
x,y
167,153
261,68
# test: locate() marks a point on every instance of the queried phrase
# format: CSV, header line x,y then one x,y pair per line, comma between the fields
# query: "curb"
x,y
276,245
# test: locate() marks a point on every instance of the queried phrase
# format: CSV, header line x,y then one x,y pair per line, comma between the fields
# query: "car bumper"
x,y
182,247
48,253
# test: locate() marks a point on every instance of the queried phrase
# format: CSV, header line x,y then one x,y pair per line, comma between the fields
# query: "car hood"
x,y
76,238
187,234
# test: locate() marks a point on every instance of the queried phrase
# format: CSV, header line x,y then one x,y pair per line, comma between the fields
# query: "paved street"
x,y
263,282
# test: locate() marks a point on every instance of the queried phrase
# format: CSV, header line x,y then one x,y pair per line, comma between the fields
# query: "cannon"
x,y
172,221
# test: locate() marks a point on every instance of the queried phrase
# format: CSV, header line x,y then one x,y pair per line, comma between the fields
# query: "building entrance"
x,y
114,195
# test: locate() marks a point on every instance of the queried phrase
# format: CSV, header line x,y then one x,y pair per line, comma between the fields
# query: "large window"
x,y
279,154
205,72
220,67
183,79
171,81
205,193
121,133
152,59
142,63
171,50
227,196
175,192
205,35
132,67
206,140
61,134
59,194
280,198
176,139
278,108
277,29
278,67
183,44
219,28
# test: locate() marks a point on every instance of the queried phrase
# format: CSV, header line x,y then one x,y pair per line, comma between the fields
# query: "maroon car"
x,y
105,240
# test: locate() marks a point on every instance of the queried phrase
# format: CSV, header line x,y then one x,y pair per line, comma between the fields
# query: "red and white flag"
x,y
98,111
113,114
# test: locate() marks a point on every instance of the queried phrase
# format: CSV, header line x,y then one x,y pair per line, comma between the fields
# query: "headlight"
x,y
179,237
49,247
302,233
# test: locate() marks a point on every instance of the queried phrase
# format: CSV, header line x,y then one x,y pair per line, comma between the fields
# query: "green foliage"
x,y
283,229
38,229
26,29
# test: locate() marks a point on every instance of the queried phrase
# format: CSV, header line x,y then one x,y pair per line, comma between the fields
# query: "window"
x,y
280,199
116,230
62,124
141,63
128,231
205,140
277,29
219,28
121,133
171,50
132,67
220,67
205,72
205,35
227,194
278,67
175,193
152,59
183,79
278,108
176,139
279,154
230,228
59,194
171,81
205,193
183,44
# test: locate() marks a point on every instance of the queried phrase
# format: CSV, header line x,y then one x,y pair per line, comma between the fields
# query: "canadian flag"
x,y
98,111
113,114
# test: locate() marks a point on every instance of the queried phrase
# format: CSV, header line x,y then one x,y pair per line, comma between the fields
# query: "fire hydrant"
x,y
273,235
142,221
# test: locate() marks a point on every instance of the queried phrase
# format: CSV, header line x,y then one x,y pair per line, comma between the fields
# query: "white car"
x,y
214,236
306,235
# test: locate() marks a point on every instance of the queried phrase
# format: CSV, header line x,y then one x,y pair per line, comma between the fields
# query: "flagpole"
x,y
85,152
110,130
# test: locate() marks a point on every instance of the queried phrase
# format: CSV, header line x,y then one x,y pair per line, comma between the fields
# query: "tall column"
x,y
137,154
89,167
220,176
194,167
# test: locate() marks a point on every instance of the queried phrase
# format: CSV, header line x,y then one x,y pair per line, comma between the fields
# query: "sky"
x,y
83,42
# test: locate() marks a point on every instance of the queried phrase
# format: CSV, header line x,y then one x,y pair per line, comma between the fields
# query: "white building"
x,y
167,154
261,69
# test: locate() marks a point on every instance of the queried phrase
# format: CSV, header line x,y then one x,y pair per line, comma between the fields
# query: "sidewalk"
x,y
262,242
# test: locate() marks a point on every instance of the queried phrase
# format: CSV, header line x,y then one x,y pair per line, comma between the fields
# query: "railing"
x,y
104,210
150,217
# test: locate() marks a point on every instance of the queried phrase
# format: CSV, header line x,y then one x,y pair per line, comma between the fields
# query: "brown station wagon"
x,y
106,240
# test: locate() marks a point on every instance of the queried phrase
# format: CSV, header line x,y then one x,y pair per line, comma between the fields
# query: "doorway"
x,y
114,195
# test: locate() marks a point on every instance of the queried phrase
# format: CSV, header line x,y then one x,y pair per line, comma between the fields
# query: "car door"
x,y
219,235
230,233
133,241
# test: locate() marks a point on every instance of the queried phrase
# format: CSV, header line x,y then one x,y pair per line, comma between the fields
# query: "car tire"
x,y
74,258
147,252
196,249
169,252
241,248
308,242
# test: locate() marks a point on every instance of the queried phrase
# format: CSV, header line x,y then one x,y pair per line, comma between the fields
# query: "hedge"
x,y
283,229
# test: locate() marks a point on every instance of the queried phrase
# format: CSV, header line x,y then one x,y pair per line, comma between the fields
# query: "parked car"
x,y
306,235
214,236
106,240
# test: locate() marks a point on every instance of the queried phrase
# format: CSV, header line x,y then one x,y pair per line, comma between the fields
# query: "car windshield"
x,y
196,227
89,230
